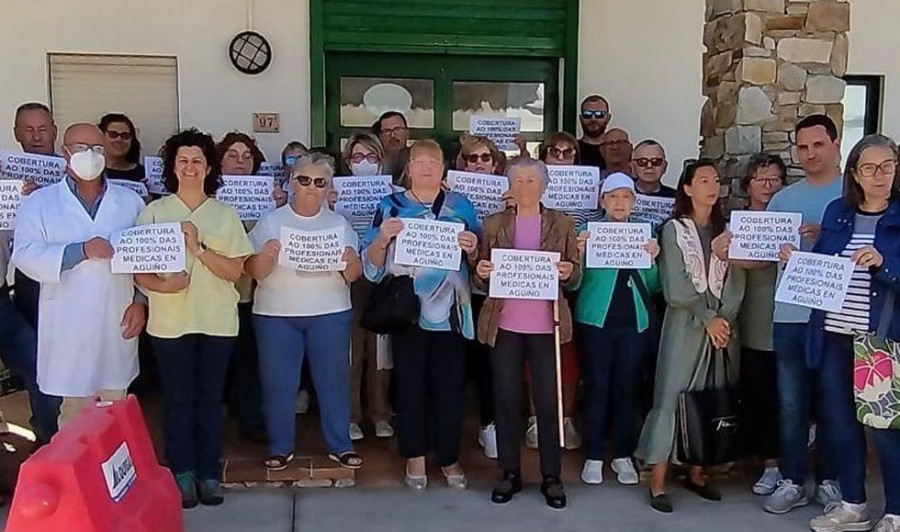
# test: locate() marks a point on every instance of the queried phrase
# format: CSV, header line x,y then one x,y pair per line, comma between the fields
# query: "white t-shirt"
x,y
286,292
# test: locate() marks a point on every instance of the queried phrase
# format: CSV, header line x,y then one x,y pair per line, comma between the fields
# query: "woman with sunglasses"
x,y
122,148
299,315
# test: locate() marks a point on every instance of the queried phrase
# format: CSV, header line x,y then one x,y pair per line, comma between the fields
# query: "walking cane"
x,y
559,394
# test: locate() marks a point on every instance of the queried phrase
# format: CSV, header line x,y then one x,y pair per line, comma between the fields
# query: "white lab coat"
x,y
80,344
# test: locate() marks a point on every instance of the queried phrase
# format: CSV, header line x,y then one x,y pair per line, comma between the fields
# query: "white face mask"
x,y
87,165
364,168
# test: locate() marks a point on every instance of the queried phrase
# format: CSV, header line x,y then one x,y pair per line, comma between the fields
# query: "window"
x,y
862,110
85,87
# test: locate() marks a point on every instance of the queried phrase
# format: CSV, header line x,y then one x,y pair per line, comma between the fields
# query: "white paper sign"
x,y
501,130
816,281
312,251
273,169
139,188
358,198
42,169
758,235
429,243
250,195
572,188
484,191
153,172
524,274
153,248
10,197
652,209
618,245
119,472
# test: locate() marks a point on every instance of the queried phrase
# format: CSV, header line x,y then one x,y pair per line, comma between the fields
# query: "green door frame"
x,y
318,49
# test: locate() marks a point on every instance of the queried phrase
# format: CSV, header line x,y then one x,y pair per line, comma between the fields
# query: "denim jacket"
x,y
837,229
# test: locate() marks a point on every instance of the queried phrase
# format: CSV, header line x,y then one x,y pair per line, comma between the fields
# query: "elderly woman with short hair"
x,y
521,329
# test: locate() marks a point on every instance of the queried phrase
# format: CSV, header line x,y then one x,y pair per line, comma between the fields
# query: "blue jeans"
x,y
18,343
283,344
795,382
612,361
192,369
847,434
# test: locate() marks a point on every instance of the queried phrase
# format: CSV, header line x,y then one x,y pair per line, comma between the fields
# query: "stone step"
x,y
302,471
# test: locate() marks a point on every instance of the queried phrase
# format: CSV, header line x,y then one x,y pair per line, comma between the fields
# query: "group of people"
x,y
631,341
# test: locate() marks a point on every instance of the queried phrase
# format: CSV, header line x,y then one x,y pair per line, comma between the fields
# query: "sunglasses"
x,y
558,153
359,157
596,115
305,180
473,158
115,135
646,162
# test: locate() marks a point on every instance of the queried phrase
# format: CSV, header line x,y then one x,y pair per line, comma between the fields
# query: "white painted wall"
x,y
213,96
645,57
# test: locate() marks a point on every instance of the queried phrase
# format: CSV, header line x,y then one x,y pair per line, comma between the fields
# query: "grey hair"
x,y
521,163
321,160
853,192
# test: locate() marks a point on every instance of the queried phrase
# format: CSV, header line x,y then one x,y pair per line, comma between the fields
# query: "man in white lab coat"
x,y
89,317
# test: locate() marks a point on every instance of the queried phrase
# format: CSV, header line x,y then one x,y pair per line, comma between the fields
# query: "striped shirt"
x,y
854,314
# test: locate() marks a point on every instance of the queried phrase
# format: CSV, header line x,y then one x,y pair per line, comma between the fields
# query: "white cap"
x,y
615,182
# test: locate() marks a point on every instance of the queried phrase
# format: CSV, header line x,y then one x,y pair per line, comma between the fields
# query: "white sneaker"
x,y
487,438
625,472
768,481
383,429
302,404
889,523
592,472
531,435
356,433
571,435
828,493
840,518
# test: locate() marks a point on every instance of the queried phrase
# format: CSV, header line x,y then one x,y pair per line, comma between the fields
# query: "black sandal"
x,y
348,460
278,462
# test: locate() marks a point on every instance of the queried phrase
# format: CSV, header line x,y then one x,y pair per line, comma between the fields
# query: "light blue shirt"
x,y
810,201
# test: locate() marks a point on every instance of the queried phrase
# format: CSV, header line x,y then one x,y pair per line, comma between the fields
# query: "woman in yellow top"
x,y
193,315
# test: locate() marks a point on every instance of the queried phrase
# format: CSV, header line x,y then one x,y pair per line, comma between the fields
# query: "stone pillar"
x,y
767,64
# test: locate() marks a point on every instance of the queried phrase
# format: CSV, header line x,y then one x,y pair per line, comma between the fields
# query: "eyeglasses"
x,y
560,153
80,147
767,181
599,114
887,168
305,180
369,157
473,158
647,162
393,131
116,135
615,143
244,156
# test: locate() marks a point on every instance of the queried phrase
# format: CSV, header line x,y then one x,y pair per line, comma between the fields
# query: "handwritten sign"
x,y
815,281
358,198
652,209
10,197
572,188
312,251
758,235
42,169
484,191
154,248
524,274
274,169
250,195
618,245
139,188
501,130
153,171
429,243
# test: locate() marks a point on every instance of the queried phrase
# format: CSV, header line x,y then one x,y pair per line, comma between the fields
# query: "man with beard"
x,y
594,117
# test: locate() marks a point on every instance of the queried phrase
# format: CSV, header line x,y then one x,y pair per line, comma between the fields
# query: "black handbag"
x,y
708,420
392,306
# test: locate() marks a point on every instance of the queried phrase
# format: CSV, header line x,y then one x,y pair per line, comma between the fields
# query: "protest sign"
x,y
618,245
484,191
572,188
10,196
42,169
358,198
524,274
154,248
652,209
429,243
250,195
758,235
274,169
312,251
139,188
153,172
815,281
501,130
